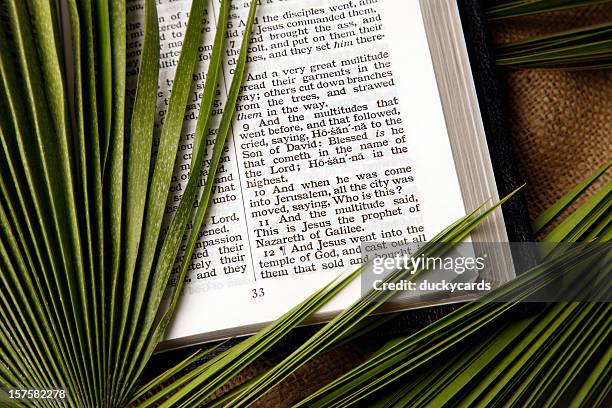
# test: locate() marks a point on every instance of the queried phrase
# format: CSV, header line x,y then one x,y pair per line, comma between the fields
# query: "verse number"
x,y
257,293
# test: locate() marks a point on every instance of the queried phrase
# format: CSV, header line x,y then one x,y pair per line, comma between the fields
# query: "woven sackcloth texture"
x,y
561,121
561,126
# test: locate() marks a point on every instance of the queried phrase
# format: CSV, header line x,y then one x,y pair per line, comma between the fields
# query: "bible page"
x,y
338,138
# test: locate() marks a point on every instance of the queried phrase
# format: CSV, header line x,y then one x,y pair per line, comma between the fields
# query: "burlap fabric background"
x,y
562,130
561,121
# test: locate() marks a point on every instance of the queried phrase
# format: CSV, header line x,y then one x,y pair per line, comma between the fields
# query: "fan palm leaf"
x,y
80,213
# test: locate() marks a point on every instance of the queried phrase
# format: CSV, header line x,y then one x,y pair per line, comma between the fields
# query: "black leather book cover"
x,y
493,110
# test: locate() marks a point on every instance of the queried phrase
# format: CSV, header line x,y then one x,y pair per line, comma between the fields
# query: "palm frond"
x,y
414,357
447,336
341,325
502,9
555,210
201,383
579,49
148,339
103,52
80,215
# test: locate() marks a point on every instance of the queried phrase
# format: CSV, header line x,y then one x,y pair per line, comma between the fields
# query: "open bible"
x,y
358,122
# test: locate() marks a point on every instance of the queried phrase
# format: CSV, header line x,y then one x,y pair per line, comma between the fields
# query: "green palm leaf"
x,y
150,336
555,210
501,9
403,357
199,384
584,48
96,332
